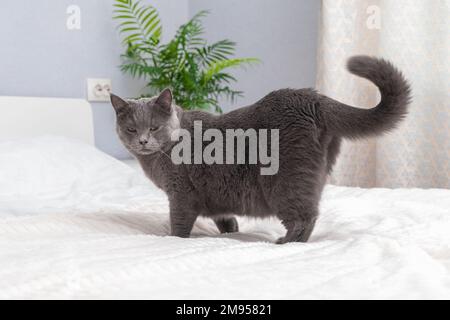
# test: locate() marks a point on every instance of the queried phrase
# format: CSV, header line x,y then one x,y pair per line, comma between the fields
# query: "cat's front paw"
x,y
180,234
281,240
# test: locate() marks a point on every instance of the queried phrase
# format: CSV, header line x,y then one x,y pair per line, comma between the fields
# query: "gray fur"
x,y
311,128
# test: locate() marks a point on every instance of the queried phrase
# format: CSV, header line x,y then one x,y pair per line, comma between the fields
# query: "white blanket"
x,y
88,226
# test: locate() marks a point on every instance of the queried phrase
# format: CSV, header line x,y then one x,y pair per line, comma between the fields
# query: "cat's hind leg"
x,y
299,208
298,229
227,224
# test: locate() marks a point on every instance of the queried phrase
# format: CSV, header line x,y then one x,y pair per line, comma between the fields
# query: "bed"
x,y
76,223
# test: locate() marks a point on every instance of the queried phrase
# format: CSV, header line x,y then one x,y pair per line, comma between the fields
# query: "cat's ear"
x,y
118,103
164,101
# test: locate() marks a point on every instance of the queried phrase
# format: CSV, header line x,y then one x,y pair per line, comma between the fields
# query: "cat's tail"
x,y
350,122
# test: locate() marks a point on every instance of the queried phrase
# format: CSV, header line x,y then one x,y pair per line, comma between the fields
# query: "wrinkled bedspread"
x,y
107,238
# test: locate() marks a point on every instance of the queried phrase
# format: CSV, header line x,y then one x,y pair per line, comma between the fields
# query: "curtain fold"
x,y
415,36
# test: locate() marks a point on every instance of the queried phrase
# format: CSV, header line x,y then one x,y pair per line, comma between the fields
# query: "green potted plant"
x,y
195,70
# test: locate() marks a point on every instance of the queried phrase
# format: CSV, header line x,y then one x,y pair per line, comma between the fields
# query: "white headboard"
x,y
23,117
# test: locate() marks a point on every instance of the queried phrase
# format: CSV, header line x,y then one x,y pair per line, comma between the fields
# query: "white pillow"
x,y
58,172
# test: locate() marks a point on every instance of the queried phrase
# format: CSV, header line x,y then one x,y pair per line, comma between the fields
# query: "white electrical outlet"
x,y
98,89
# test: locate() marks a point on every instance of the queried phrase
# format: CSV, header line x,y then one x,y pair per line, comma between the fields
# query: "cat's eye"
x,y
154,128
131,130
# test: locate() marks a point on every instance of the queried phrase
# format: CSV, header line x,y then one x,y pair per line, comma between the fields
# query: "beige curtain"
x,y
415,36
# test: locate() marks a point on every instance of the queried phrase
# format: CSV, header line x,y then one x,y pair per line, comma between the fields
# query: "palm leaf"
x,y
218,51
218,66
188,35
140,23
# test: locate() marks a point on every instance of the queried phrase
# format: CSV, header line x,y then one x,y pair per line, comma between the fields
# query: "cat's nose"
x,y
143,142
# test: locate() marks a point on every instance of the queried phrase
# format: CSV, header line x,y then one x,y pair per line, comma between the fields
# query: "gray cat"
x,y
311,127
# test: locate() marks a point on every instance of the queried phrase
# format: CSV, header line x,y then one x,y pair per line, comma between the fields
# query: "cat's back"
x,y
276,109
278,105
284,100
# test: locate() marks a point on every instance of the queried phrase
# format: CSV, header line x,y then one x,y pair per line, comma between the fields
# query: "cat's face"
x,y
145,126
